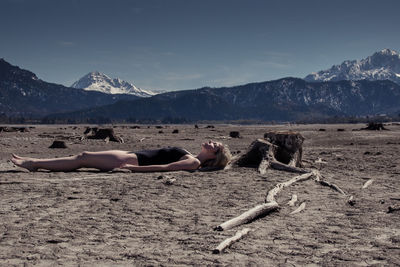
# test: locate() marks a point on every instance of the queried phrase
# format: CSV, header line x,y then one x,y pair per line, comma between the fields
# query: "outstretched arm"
x,y
187,164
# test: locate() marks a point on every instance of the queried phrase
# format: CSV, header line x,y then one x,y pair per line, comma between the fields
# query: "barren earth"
x,y
89,217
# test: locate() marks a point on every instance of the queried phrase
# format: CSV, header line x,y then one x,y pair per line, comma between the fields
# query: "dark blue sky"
x,y
185,44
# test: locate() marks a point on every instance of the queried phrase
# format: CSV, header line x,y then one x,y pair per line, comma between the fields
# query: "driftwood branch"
x,y
325,183
248,216
261,210
228,242
271,204
285,167
300,208
367,183
273,192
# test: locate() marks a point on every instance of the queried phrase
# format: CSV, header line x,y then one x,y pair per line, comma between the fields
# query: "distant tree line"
x,y
4,119
350,119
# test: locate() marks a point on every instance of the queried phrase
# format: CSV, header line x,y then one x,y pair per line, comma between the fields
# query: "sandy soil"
x,y
89,217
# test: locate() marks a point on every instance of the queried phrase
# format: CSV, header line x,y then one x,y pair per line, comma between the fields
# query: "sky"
x,y
187,44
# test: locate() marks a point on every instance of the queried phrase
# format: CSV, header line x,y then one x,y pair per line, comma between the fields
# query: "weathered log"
x,y
229,241
104,133
248,216
300,208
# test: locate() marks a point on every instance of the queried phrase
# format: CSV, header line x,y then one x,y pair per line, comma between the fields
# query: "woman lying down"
x,y
212,155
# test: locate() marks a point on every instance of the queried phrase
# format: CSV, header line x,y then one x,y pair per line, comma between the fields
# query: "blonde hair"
x,y
222,158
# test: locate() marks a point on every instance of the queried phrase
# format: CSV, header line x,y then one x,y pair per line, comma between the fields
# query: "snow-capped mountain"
x,y
382,65
22,93
96,81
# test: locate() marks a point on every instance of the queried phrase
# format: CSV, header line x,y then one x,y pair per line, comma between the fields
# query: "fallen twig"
x,y
324,183
367,183
228,242
273,192
300,208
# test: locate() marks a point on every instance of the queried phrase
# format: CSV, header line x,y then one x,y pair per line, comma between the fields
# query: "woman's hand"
x,y
126,166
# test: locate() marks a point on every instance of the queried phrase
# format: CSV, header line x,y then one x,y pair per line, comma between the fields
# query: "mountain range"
x,y
382,65
96,81
22,93
287,99
319,95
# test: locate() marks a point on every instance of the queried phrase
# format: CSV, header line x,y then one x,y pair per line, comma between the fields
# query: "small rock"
x,y
234,134
170,181
58,144
351,201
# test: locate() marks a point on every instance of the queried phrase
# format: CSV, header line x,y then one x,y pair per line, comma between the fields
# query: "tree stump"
x,y
290,147
106,133
234,134
279,150
90,130
374,126
58,144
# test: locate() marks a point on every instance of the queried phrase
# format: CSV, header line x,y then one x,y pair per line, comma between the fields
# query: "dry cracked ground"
x,y
89,217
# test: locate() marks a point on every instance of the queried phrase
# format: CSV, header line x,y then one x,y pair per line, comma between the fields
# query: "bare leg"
x,y
56,164
104,160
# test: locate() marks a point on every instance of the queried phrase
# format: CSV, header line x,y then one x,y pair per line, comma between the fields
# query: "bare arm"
x,y
186,164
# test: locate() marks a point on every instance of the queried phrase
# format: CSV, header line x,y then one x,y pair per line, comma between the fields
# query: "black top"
x,y
160,156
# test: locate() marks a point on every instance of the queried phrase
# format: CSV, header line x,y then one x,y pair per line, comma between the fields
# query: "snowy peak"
x,y
382,65
96,81
388,52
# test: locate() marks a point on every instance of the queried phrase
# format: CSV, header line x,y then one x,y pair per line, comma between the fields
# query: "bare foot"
x,y
26,163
